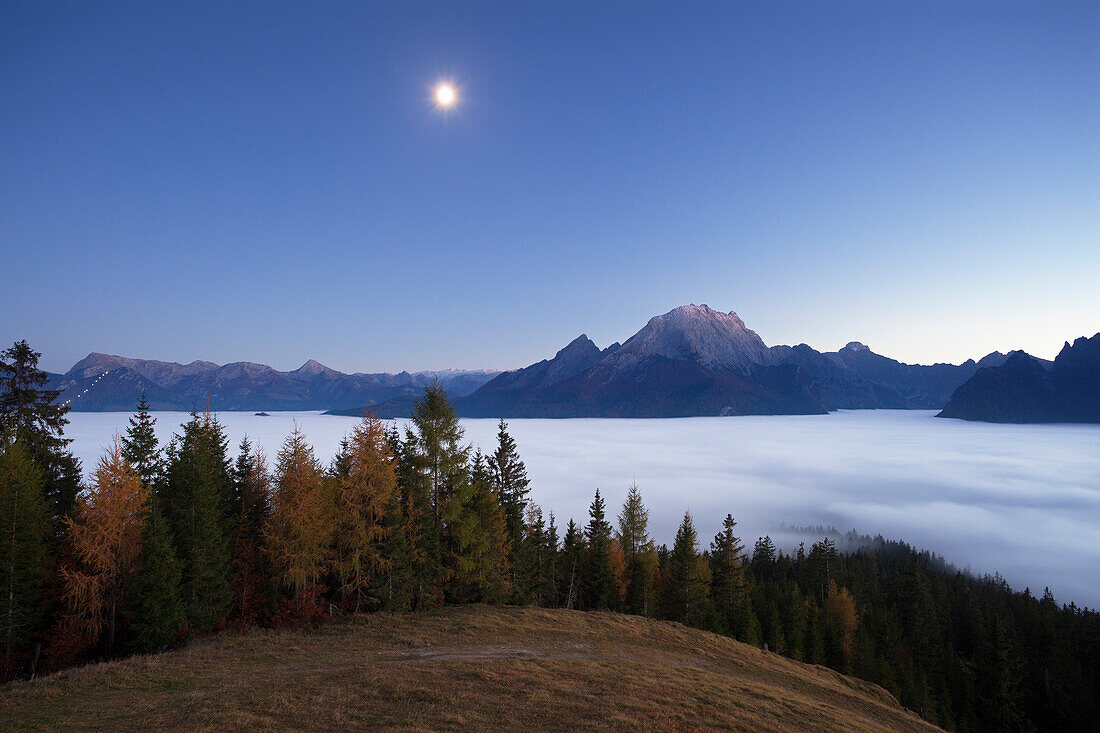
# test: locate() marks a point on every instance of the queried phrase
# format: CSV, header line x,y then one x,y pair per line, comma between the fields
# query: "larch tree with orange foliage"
x,y
299,531
842,608
366,480
106,538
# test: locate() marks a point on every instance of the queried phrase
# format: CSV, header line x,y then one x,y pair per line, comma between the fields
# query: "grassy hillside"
x,y
461,668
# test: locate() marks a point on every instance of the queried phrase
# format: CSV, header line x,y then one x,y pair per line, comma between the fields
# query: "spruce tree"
x,y
764,557
553,564
533,573
194,497
24,532
1000,672
511,484
687,587
252,493
397,585
637,545
398,581
435,452
439,448
598,587
29,414
477,559
573,558
155,604
139,444
423,543
729,585
820,564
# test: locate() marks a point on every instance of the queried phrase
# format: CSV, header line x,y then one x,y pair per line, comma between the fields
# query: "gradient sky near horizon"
x,y
271,181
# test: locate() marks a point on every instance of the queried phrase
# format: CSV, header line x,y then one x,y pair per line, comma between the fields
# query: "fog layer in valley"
x,y
1020,500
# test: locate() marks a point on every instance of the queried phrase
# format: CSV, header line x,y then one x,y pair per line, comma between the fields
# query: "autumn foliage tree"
x,y
842,608
106,541
365,480
300,529
408,522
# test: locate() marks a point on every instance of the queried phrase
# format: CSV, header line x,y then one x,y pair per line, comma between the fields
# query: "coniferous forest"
x,y
169,542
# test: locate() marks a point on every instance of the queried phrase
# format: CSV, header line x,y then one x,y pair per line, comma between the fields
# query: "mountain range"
x,y
101,382
1027,390
697,361
691,361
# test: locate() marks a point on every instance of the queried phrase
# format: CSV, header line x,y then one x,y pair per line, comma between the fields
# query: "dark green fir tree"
x,y
572,561
155,604
30,415
24,533
686,595
729,584
139,444
598,587
512,486
194,498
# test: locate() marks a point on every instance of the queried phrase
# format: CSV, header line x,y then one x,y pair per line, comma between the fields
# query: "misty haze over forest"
x,y
1019,500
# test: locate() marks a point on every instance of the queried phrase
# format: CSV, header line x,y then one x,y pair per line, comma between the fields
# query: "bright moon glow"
x,y
445,96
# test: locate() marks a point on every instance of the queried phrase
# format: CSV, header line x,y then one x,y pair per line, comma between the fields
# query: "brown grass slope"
x,y
461,668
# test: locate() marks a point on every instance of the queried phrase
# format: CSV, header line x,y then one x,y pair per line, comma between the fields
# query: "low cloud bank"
x,y
1020,500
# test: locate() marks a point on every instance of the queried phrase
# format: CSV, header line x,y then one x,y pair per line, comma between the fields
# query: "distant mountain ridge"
x,y
1028,390
691,361
241,385
694,361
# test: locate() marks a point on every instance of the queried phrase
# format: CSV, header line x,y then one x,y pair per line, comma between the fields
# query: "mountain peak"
x,y
581,345
701,334
313,367
855,346
1083,353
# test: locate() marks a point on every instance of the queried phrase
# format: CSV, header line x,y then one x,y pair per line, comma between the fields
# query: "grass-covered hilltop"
x,y
408,585
459,668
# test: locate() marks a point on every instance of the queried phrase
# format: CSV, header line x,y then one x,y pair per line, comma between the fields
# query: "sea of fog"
x,y
1021,500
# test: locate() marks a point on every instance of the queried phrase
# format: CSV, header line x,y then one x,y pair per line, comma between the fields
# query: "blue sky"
x,y
271,182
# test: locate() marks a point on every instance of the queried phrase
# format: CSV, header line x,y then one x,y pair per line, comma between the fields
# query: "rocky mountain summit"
x,y
695,360
697,334
1028,390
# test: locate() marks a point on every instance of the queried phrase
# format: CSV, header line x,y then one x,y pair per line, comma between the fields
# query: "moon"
x,y
446,96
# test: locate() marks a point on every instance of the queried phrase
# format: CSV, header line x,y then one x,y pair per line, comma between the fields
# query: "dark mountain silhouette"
x,y
901,385
115,382
1027,390
697,361
689,361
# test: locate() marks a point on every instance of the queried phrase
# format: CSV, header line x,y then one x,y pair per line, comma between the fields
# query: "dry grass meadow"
x,y
461,668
